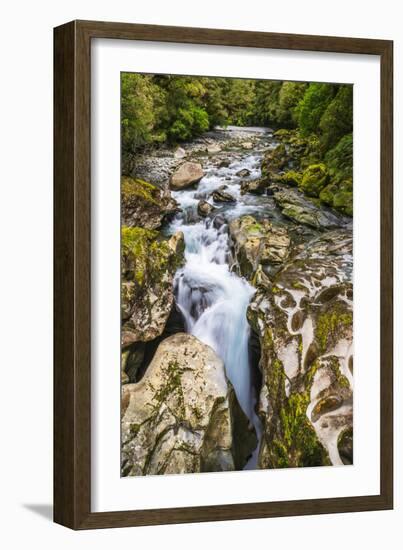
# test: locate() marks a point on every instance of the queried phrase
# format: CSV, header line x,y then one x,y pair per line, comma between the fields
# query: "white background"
x,y
26,275
109,490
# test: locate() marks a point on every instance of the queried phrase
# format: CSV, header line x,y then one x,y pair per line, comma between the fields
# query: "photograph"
x,y
236,274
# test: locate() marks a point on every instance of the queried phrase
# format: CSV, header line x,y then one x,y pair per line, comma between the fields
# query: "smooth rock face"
x,y
144,205
148,267
204,208
187,174
306,396
258,243
296,207
183,415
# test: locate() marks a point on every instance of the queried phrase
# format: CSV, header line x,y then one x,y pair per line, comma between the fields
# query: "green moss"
x,y
314,179
134,187
330,324
171,387
297,444
339,195
290,178
292,440
145,257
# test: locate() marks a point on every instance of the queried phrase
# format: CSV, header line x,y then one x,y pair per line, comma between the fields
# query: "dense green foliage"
x,y
164,108
159,108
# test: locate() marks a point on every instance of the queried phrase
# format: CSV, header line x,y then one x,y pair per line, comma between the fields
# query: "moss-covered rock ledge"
x,y
149,263
145,205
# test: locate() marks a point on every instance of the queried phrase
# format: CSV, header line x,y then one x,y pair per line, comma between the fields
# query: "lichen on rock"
x,y
303,319
258,243
144,205
183,416
148,266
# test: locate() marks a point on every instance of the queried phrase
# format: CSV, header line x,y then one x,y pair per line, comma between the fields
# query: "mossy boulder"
x,y
258,243
148,266
291,178
306,211
183,416
144,205
339,195
314,179
274,160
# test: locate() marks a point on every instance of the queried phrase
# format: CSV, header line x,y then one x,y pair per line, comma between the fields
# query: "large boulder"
x,y
303,319
258,243
183,416
145,205
148,266
304,211
186,175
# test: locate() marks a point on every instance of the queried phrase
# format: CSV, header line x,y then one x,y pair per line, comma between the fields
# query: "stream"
x,y
212,298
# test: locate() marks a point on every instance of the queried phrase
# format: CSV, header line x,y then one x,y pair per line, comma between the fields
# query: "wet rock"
x,y
220,195
186,175
219,221
258,243
224,163
298,208
244,173
145,205
183,416
148,267
256,187
204,208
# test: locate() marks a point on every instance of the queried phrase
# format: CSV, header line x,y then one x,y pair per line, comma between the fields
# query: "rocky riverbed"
x,y
237,307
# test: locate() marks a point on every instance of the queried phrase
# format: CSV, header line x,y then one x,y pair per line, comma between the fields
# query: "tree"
x,y
311,107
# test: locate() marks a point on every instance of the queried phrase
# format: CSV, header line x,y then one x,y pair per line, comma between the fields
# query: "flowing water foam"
x,y
212,299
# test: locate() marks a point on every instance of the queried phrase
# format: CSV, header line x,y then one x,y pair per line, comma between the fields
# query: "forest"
x,y
236,274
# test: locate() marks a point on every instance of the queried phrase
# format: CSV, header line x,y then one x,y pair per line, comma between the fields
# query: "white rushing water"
x,y
212,298
213,301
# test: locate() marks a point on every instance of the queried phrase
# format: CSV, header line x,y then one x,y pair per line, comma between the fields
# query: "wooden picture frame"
x,y
72,269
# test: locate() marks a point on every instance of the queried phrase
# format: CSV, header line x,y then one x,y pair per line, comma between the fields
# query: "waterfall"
x,y
213,301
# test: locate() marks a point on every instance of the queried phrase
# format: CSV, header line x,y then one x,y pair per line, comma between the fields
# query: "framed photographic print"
x,y
223,275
